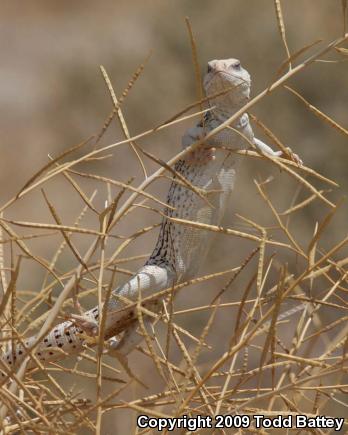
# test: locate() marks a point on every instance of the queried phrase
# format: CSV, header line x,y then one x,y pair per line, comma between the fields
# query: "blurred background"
x,y
52,96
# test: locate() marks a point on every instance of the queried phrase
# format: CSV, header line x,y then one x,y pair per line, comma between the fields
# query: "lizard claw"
x,y
202,155
292,157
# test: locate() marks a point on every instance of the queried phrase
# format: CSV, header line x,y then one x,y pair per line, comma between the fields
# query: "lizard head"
x,y
227,75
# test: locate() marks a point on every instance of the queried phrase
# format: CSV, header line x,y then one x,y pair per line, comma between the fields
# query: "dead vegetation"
x,y
286,343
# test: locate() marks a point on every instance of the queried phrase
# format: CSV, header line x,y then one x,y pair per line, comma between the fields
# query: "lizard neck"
x,y
222,110
219,116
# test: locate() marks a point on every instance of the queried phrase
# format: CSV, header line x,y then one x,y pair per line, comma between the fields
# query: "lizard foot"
x,y
201,156
89,326
293,157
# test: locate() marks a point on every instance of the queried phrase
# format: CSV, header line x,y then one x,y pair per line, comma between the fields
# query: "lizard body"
x,y
180,249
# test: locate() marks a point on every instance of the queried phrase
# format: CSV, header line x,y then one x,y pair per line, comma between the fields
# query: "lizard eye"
x,y
209,68
236,65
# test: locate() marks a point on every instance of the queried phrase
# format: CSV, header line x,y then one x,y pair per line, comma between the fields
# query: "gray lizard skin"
x,y
180,249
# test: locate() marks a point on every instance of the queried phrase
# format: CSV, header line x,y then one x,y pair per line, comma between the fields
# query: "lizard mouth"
x,y
234,76
230,77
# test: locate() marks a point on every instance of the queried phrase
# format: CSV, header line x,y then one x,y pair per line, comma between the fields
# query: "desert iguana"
x,y
180,249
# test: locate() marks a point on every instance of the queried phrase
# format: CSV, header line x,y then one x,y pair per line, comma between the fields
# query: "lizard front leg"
x,y
204,153
266,149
